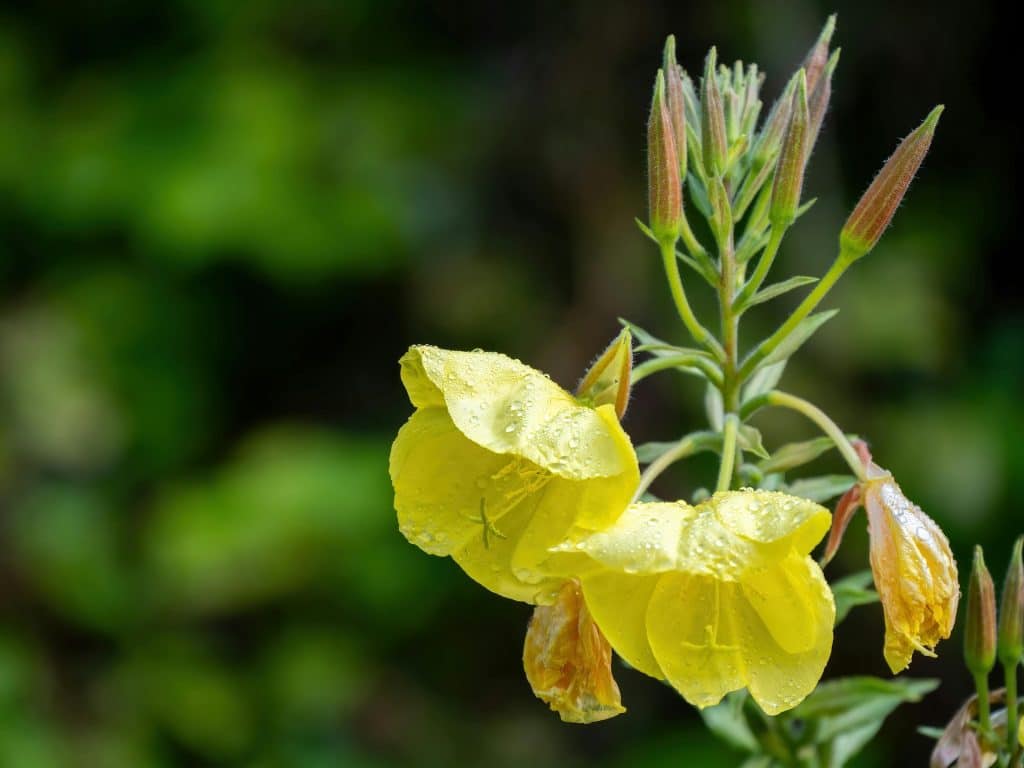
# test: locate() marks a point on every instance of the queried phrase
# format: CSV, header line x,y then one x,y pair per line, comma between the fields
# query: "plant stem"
x,y
829,427
764,264
690,240
765,348
984,718
1012,711
675,283
689,445
702,364
725,469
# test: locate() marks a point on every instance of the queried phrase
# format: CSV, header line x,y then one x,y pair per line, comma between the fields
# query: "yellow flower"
x,y
568,661
717,597
914,570
499,464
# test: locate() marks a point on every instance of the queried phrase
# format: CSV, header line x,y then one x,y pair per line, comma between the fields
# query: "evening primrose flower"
x,y
913,567
568,661
716,597
499,464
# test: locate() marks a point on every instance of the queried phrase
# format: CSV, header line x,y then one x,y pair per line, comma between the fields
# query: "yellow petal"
x,y
645,539
693,629
438,476
618,603
508,407
786,644
770,517
568,661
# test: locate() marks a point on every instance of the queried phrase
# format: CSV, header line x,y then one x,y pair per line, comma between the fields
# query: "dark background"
x,y
220,226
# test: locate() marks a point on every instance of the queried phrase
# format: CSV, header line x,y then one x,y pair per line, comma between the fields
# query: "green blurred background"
x,y
220,226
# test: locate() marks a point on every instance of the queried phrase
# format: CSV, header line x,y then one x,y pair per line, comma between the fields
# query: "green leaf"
x,y
758,761
840,706
851,591
702,266
702,441
648,452
698,195
763,380
822,488
750,246
727,721
776,289
794,455
749,439
803,331
651,343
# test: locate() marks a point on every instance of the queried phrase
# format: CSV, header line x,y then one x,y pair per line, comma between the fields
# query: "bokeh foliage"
x,y
222,224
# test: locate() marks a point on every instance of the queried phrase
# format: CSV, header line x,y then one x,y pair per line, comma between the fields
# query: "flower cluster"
x,y
537,493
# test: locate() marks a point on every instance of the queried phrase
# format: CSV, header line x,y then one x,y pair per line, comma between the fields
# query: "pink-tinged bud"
x,y
1011,610
980,630
819,99
664,190
568,661
789,173
815,61
847,505
770,138
675,99
713,135
608,380
876,207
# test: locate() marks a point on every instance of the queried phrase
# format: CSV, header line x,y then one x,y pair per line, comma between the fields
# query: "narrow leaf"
x,y
794,455
851,591
821,489
749,439
764,380
777,289
727,721
803,331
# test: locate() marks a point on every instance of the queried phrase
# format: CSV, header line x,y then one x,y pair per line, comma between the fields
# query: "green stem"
x,y
984,717
829,427
690,240
725,469
764,264
704,365
675,283
1012,711
766,347
689,445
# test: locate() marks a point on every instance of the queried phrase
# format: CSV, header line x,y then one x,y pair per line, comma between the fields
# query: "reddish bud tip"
x,y
664,190
980,631
876,207
816,59
675,100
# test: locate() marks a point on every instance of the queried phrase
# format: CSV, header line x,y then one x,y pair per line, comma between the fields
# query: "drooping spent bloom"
x,y
716,597
568,661
914,570
498,464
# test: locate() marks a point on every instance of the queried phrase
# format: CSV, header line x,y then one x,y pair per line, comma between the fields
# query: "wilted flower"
x,y
716,597
568,661
498,464
914,570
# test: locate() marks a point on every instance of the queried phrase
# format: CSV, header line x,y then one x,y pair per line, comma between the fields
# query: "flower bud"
x,y
789,173
664,191
713,136
816,59
568,661
675,100
980,632
820,96
774,130
608,379
876,207
1011,610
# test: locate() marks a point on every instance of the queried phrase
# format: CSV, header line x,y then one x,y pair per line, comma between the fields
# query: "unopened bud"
x,y
608,379
819,99
1011,610
713,136
814,63
675,100
789,173
664,191
876,207
980,632
774,130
